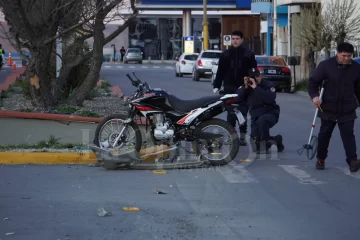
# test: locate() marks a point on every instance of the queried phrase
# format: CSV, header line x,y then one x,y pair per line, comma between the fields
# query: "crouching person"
x,y
260,95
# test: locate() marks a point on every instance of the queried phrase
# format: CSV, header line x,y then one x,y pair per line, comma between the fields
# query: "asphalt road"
x,y
283,197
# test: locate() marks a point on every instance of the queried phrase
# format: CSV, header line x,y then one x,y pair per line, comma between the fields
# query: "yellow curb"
x,y
46,158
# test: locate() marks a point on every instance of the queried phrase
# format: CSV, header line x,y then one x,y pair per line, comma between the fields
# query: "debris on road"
x,y
10,233
159,191
103,213
131,209
6,219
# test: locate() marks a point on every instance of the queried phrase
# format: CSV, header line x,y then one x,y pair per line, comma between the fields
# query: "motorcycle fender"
x,y
202,113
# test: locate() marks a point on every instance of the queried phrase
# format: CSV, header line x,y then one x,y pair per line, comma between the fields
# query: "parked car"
x,y
204,64
357,59
185,64
133,55
275,70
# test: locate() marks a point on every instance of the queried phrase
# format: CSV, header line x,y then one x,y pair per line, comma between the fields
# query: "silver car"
x,y
204,64
133,55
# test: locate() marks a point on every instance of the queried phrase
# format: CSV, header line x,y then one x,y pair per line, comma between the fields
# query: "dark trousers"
x,y
260,126
347,137
231,118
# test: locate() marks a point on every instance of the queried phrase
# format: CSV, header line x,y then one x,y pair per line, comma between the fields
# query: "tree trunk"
x,y
96,62
311,60
38,71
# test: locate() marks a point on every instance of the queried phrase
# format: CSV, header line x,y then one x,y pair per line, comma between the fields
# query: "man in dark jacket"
x,y
260,95
233,66
338,104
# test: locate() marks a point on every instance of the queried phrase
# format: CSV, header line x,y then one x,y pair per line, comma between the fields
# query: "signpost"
x,y
227,41
189,44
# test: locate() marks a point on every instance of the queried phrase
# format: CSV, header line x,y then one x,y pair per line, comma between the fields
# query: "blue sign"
x,y
244,4
227,38
190,38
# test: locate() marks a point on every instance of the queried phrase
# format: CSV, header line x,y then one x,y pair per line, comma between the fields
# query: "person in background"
x,y
234,64
122,53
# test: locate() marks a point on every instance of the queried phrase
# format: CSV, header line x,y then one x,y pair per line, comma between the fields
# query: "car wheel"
x,y
195,76
287,89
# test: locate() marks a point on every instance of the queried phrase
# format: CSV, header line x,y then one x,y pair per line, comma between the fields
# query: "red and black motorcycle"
x,y
169,121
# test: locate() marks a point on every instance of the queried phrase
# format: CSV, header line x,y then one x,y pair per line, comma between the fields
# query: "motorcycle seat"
x,y
185,106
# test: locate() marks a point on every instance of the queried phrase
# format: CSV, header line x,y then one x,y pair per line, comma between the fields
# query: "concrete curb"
x,y
16,158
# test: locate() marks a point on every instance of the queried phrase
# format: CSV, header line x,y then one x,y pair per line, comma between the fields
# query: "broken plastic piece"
x,y
159,191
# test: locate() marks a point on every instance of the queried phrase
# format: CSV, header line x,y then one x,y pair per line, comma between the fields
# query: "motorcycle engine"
x,y
162,129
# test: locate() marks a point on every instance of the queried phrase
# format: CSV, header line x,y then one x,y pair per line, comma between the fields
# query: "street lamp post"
x,y
113,46
275,29
205,27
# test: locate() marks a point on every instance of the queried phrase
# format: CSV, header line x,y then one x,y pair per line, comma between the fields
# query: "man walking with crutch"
x,y
338,103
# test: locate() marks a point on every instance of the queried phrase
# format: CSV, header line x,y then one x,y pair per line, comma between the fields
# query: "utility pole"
x,y
275,29
205,27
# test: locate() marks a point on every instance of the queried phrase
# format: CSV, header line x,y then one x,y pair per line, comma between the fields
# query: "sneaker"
x,y
354,165
279,142
320,164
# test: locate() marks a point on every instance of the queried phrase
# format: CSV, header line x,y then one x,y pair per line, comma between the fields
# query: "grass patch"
x,y
51,142
302,85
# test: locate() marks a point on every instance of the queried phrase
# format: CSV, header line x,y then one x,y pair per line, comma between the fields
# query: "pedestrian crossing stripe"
x,y
235,173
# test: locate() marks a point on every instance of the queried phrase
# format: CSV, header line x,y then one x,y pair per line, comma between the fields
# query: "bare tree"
x,y
37,24
342,20
310,33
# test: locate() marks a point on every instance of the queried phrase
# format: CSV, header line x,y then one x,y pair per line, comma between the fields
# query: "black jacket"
x,y
341,85
260,100
234,64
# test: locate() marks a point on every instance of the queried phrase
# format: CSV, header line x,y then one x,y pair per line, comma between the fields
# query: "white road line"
x,y
156,67
346,171
169,67
302,176
119,66
237,174
131,66
144,67
107,66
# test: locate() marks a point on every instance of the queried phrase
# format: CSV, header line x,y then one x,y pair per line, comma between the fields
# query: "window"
x,y
134,50
271,61
211,55
191,57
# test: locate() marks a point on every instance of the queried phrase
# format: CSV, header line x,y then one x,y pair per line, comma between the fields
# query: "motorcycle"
x,y
171,121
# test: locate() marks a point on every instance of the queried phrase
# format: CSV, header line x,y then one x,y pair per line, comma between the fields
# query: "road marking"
x,y
237,174
131,66
119,66
346,170
156,67
301,175
107,66
144,67
169,67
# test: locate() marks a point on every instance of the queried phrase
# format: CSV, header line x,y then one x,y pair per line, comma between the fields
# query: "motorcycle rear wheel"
x,y
235,141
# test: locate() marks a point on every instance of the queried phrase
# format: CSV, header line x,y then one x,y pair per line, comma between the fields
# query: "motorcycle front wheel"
x,y
210,149
109,125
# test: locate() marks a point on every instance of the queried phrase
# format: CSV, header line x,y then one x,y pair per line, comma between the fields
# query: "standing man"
x,y
338,104
234,64
122,53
